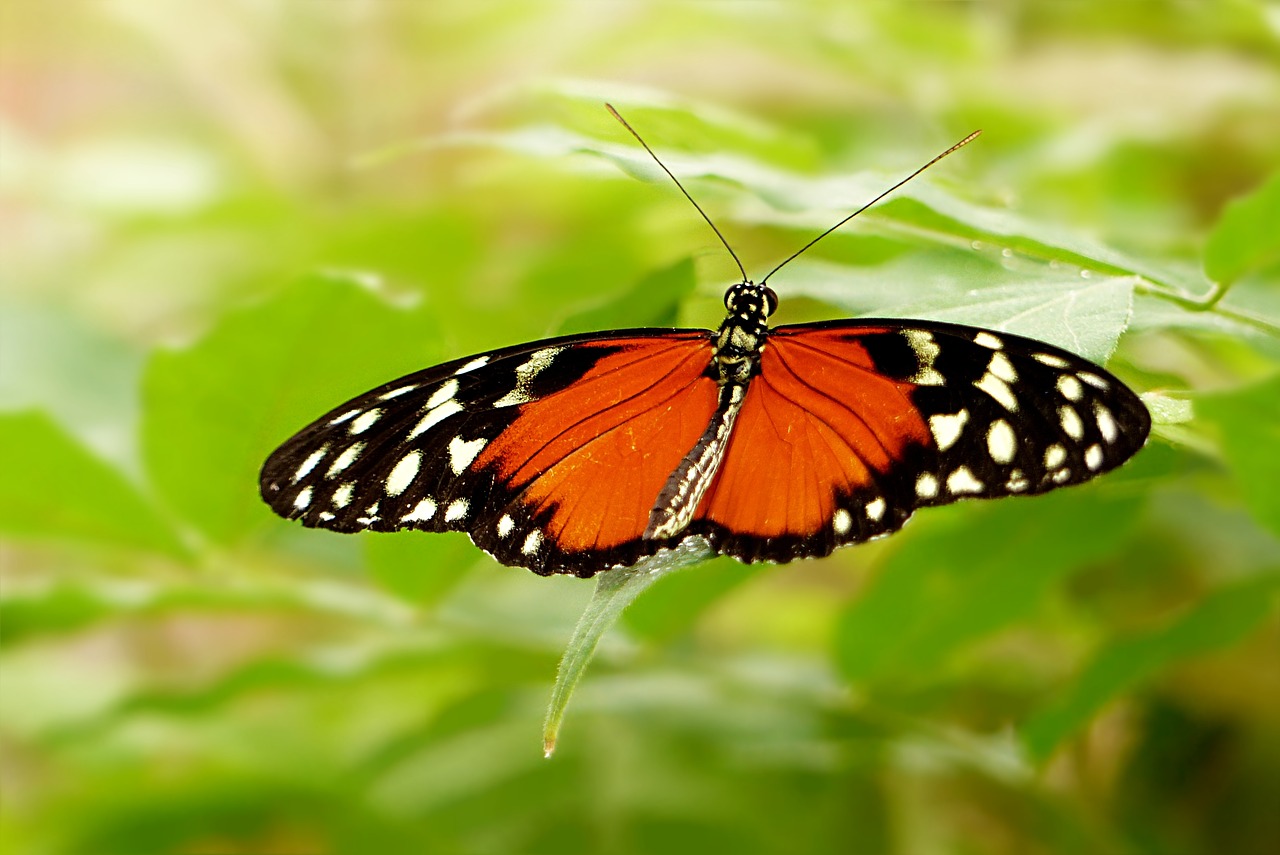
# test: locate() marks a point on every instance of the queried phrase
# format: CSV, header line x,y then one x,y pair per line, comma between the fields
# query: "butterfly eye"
x,y
770,301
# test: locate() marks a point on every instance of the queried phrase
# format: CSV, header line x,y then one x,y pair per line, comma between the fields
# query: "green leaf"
x,y
1247,235
53,488
215,411
54,362
615,590
1220,620
973,571
1083,315
1248,422
1166,410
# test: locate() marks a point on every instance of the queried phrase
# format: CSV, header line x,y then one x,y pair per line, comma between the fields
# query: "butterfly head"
x,y
740,338
749,301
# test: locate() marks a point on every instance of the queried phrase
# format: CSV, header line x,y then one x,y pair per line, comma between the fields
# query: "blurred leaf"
x,y
316,670
1221,619
72,606
55,489
674,605
973,571
214,411
1249,425
616,588
1247,236
653,302
921,211
417,567
666,120
52,361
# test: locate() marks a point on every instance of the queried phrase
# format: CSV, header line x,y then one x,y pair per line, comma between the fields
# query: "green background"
x,y
221,219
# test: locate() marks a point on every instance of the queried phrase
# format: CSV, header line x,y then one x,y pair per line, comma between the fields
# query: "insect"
x,y
580,453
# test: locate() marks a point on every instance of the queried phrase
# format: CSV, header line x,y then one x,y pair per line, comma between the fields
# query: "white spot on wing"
x,y
478,362
345,459
538,362
842,522
962,481
423,511
1050,360
946,428
1002,368
1017,482
396,393
403,473
1062,476
342,495
1093,457
926,486
434,417
1071,423
1054,456
1093,380
462,452
505,525
365,421
445,393
999,390
303,499
457,510
325,516
875,509
348,415
313,459
1106,423
532,542
986,339
1001,442
926,350
517,396
1070,387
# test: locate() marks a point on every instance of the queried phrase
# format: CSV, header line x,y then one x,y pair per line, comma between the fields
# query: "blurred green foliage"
x,y
219,219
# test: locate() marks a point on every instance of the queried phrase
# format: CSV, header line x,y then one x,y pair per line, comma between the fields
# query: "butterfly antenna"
x,y
964,142
640,139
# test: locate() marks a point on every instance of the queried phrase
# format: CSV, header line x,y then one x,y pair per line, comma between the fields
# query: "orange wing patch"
x,y
606,445
787,462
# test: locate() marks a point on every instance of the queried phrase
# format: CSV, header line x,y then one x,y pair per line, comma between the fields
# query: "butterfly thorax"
x,y
736,359
741,337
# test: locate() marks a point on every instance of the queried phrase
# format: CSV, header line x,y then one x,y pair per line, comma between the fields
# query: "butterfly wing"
x,y
549,455
851,426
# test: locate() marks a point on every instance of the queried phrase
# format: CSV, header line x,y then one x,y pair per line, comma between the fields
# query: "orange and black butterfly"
x,y
581,453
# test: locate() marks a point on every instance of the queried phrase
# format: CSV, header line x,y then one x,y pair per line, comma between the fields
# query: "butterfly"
x,y
585,452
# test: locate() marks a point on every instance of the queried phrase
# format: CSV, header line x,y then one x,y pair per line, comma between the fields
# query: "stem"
x,y
615,590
